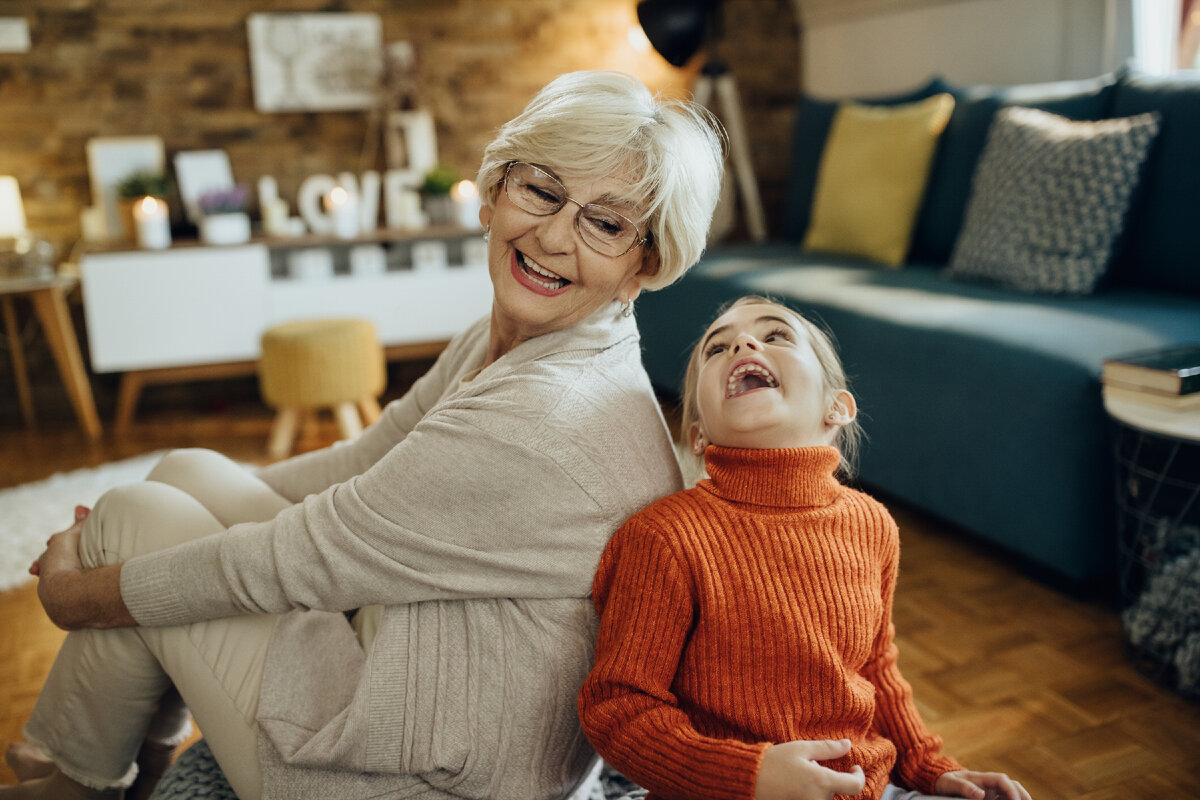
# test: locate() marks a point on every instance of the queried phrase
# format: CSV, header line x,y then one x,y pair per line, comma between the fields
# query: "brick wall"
x,y
179,69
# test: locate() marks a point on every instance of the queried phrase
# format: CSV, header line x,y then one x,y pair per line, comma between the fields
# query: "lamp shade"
x,y
12,212
676,28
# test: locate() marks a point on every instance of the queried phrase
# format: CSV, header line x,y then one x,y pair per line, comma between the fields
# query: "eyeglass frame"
x,y
638,241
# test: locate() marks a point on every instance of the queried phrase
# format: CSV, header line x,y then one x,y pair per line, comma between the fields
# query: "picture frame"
x,y
198,172
315,61
112,159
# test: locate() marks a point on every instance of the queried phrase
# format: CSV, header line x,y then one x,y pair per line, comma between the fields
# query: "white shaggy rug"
x,y
30,513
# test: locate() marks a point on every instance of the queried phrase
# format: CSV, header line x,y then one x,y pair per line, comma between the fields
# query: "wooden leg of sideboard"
x,y
127,398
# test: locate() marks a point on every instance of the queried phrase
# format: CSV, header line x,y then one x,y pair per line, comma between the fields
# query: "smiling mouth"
x,y
747,377
552,281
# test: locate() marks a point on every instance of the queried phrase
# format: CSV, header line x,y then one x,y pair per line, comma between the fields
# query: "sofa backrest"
x,y
1161,247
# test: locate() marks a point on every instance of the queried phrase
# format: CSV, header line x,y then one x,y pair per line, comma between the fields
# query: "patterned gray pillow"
x,y
1049,199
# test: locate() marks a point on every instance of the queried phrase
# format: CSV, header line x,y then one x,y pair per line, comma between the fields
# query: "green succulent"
x,y
439,180
142,184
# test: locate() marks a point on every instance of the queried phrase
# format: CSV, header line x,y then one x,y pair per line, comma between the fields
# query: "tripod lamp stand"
x,y
678,29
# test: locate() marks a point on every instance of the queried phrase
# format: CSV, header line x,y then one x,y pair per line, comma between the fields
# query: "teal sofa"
x,y
981,404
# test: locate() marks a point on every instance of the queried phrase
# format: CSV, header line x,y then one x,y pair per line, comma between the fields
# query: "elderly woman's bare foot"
x,y
57,786
27,761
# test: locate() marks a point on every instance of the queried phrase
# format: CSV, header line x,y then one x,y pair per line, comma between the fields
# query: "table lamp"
x,y
12,212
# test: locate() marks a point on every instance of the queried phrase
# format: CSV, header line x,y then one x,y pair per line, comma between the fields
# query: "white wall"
x,y
966,42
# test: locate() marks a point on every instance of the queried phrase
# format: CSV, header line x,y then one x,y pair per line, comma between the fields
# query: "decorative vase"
x,y
439,208
225,228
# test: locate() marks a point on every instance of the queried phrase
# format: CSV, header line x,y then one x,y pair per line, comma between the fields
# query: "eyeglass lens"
x,y
537,192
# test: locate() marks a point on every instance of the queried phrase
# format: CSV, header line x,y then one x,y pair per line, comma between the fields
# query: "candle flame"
x,y
464,190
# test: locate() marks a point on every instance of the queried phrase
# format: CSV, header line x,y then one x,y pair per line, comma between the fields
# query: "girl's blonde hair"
x,y
603,124
848,438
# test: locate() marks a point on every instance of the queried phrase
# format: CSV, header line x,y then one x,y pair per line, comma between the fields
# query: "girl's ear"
x,y
843,410
696,437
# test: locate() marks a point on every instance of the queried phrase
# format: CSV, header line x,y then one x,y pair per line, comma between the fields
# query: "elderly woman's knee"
x,y
179,467
141,518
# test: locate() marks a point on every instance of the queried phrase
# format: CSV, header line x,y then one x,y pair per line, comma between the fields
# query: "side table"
x,y
48,296
1157,455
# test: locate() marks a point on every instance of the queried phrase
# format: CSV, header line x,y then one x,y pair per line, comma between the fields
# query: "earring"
x,y
627,309
487,232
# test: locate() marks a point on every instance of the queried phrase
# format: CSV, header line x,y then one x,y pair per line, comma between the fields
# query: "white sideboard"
x,y
195,311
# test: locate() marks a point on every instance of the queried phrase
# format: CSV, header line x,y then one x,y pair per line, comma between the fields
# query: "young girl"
x,y
746,642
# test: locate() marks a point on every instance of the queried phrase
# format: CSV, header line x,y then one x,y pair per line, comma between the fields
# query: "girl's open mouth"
x,y
748,376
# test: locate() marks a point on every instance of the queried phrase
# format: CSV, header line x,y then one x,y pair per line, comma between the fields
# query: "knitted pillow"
x,y
1049,199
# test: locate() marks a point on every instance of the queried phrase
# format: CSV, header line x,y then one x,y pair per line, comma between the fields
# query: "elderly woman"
x,y
406,615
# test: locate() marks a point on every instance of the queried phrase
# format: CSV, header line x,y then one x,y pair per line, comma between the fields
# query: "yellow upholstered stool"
x,y
322,363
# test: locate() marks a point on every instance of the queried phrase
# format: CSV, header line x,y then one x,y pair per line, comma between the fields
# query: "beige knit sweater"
x,y
476,513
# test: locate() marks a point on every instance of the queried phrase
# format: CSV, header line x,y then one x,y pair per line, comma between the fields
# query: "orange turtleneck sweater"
x,y
751,610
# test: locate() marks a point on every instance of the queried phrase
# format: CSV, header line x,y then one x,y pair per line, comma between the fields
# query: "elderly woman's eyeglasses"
x,y
536,191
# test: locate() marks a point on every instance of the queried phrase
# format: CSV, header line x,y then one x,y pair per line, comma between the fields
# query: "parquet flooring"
x,y
1014,675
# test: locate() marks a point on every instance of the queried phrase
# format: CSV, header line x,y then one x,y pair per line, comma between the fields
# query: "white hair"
x,y
599,124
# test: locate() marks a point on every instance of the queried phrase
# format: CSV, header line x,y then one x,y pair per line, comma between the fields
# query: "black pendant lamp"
x,y
678,29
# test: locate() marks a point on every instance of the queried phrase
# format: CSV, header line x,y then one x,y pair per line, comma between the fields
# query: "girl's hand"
x,y
980,786
790,771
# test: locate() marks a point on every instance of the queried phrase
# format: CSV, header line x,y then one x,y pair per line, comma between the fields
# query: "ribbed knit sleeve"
x,y
626,705
919,761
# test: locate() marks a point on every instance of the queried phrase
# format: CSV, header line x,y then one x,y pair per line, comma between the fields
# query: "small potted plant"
x,y
223,217
132,189
435,192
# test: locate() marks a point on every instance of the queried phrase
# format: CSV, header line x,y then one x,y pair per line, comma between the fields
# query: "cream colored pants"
x,y
110,689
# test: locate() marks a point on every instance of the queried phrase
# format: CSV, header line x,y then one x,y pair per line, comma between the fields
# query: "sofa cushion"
x,y
1162,245
949,188
1049,199
813,119
872,177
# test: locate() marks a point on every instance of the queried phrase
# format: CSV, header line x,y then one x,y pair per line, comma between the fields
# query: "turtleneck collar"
x,y
796,477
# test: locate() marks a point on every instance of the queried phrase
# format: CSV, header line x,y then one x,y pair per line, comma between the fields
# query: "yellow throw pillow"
x,y
872,178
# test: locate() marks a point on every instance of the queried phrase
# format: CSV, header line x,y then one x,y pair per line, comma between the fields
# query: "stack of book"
x,y
1167,378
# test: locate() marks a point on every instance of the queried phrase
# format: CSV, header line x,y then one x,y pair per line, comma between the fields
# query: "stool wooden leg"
x,y
283,432
369,407
348,422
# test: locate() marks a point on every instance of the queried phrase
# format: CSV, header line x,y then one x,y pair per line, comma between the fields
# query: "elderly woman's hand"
x,y
72,596
62,549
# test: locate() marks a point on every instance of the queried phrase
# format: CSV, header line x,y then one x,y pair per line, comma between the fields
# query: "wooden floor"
x,y
1014,675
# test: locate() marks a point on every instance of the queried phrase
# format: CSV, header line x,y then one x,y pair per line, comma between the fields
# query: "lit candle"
x,y
466,204
153,225
341,207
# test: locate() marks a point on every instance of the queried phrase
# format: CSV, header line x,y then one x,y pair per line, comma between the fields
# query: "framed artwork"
x,y
112,159
315,62
200,171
